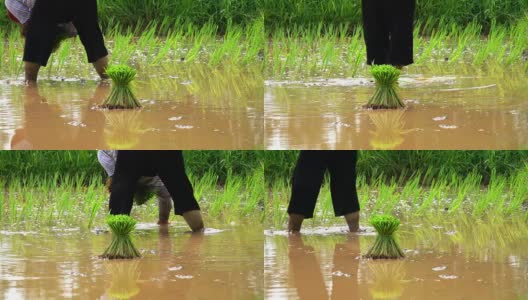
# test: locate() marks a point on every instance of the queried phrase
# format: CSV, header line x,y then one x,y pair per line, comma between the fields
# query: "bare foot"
x,y
194,220
352,220
294,223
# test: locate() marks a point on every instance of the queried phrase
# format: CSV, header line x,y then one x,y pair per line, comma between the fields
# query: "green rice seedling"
x,y
385,246
255,189
121,246
121,96
385,95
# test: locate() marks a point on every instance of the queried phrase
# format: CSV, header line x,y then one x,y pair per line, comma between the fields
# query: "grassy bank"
x,y
402,165
131,13
17,166
290,13
278,165
447,196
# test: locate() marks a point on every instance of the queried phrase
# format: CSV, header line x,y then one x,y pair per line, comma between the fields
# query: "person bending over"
x,y
169,167
307,180
144,185
45,23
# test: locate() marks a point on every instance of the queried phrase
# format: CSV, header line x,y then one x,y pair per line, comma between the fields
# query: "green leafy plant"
x,y
385,96
385,245
121,96
121,246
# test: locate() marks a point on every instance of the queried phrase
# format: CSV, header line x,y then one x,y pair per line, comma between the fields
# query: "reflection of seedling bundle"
x,y
387,280
385,96
125,275
123,129
121,246
121,95
385,245
389,130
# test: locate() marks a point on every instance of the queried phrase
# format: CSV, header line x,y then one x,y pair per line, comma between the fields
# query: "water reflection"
x,y
465,111
201,108
446,258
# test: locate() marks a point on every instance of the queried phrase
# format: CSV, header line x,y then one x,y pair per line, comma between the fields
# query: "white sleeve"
x,y
20,9
107,159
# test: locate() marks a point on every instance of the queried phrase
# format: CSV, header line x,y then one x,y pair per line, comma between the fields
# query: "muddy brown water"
x,y
222,264
197,113
440,263
444,112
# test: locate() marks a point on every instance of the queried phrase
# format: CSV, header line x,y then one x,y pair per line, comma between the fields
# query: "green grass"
x,y
26,167
182,45
39,201
338,50
290,13
278,165
436,13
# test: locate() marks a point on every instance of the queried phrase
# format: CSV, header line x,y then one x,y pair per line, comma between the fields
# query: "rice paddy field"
x,y
52,232
464,236
200,87
317,82
276,75
463,230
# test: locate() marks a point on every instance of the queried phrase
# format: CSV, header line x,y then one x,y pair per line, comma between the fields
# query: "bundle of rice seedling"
x,y
121,95
121,246
385,96
125,275
385,245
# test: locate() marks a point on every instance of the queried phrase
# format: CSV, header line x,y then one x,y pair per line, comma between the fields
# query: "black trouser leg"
x,y
342,167
388,31
306,183
127,172
375,31
401,32
85,21
171,170
41,33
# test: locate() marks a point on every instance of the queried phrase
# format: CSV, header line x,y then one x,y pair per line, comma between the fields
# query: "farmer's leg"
x,y
307,179
164,200
342,167
171,170
126,174
401,32
375,31
86,22
40,36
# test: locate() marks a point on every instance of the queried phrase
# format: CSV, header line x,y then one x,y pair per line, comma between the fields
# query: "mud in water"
x,y
443,112
443,261
206,111
222,264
